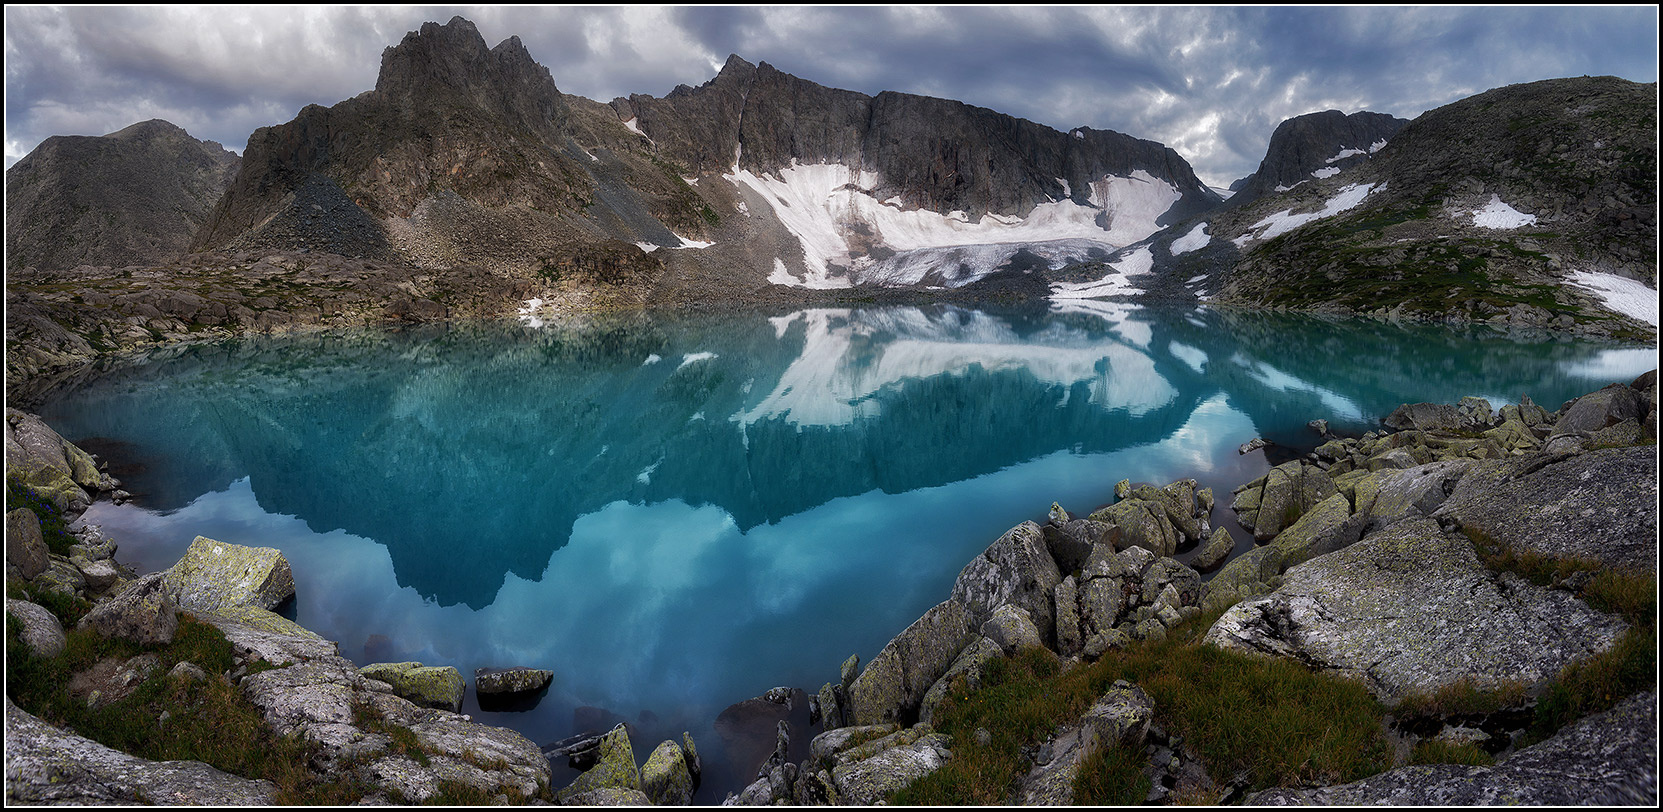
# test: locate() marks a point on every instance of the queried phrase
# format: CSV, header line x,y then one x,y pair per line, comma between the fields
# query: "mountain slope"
x,y
1315,145
1517,206
469,155
131,197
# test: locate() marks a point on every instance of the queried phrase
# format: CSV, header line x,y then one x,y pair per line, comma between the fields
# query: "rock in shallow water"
x,y
507,681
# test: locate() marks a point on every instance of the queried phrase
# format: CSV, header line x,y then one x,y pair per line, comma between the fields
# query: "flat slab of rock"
x,y
1409,609
214,575
45,765
1607,759
1600,505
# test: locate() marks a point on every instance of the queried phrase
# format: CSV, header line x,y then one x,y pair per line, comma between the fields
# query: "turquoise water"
x,y
675,513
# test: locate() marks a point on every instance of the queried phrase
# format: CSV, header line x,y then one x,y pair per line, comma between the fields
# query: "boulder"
x,y
45,463
1141,523
1408,609
1601,505
895,682
509,681
1069,638
1214,551
1018,569
968,664
1071,543
1288,491
1011,629
825,748
257,633
665,777
38,627
144,613
1326,527
864,783
25,546
428,686
213,575
1389,497
1594,411
1606,759
615,770
46,765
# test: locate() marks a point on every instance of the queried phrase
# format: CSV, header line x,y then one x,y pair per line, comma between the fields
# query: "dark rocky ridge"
x,y
130,197
935,154
1303,144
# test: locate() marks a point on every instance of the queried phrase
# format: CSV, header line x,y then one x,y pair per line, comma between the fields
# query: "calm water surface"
x,y
675,513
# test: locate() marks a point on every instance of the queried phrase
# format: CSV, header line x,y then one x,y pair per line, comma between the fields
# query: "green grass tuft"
x,y
1436,752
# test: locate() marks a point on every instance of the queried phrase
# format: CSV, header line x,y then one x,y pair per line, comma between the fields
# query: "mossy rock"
x,y
214,575
429,686
615,768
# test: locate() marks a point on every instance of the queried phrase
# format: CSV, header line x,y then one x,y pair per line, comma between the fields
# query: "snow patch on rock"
x,y
1500,215
1196,239
1284,221
1626,296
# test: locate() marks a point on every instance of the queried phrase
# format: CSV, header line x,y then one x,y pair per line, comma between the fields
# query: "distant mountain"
x,y
1315,145
131,197
1529,205
464,154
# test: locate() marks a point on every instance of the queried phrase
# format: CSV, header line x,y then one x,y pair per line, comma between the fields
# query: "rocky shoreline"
x,y
1367,545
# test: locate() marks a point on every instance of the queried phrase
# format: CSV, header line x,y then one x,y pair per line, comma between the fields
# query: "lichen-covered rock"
x,y
1607,759
824,749
61,577
1141,523
429,686
1012,629
1016,569
1326,527
893,685
1246,575
607,796
1071,543
507,681
1408,609
1069,638
864,783
257,633
615,769
143,613
25,546
213,575
40,629
1214,551
1288,491
968,665
1391,496
829,701
45,765
41,460
1600,505
1596,410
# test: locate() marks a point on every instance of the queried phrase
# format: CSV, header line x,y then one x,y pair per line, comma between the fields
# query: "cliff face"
x,y
130,197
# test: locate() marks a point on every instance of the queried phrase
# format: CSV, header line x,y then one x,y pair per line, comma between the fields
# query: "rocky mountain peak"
x,y
1315,145
449,64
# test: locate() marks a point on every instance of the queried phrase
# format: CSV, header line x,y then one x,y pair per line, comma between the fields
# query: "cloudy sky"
x,y
1210,82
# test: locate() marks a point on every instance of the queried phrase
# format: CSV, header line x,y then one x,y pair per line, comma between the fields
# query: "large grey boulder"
x,y
39,628
213,575
1012,629
1017,569
1410,610
866,782
25,546
46,463
893,685
1600,505
1390,496
1614,404
46,765
1607,759
143,613
1141,523
510,681
1277,500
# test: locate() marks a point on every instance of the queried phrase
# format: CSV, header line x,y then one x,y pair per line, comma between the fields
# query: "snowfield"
x,y
1500,215
1626,296
825,205
1195,240
1137,262
1284,221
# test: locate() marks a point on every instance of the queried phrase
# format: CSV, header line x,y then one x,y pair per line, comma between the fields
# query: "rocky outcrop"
x,y
1608,759
1315,145
665,778
1409,610
894,683
131,197
1017,569
47,464
46,765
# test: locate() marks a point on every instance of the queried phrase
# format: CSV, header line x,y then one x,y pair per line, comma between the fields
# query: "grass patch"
x,y
1460,698
1112,776
206,720
52,526
1272,720
1436,752
1634,597
1597,683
